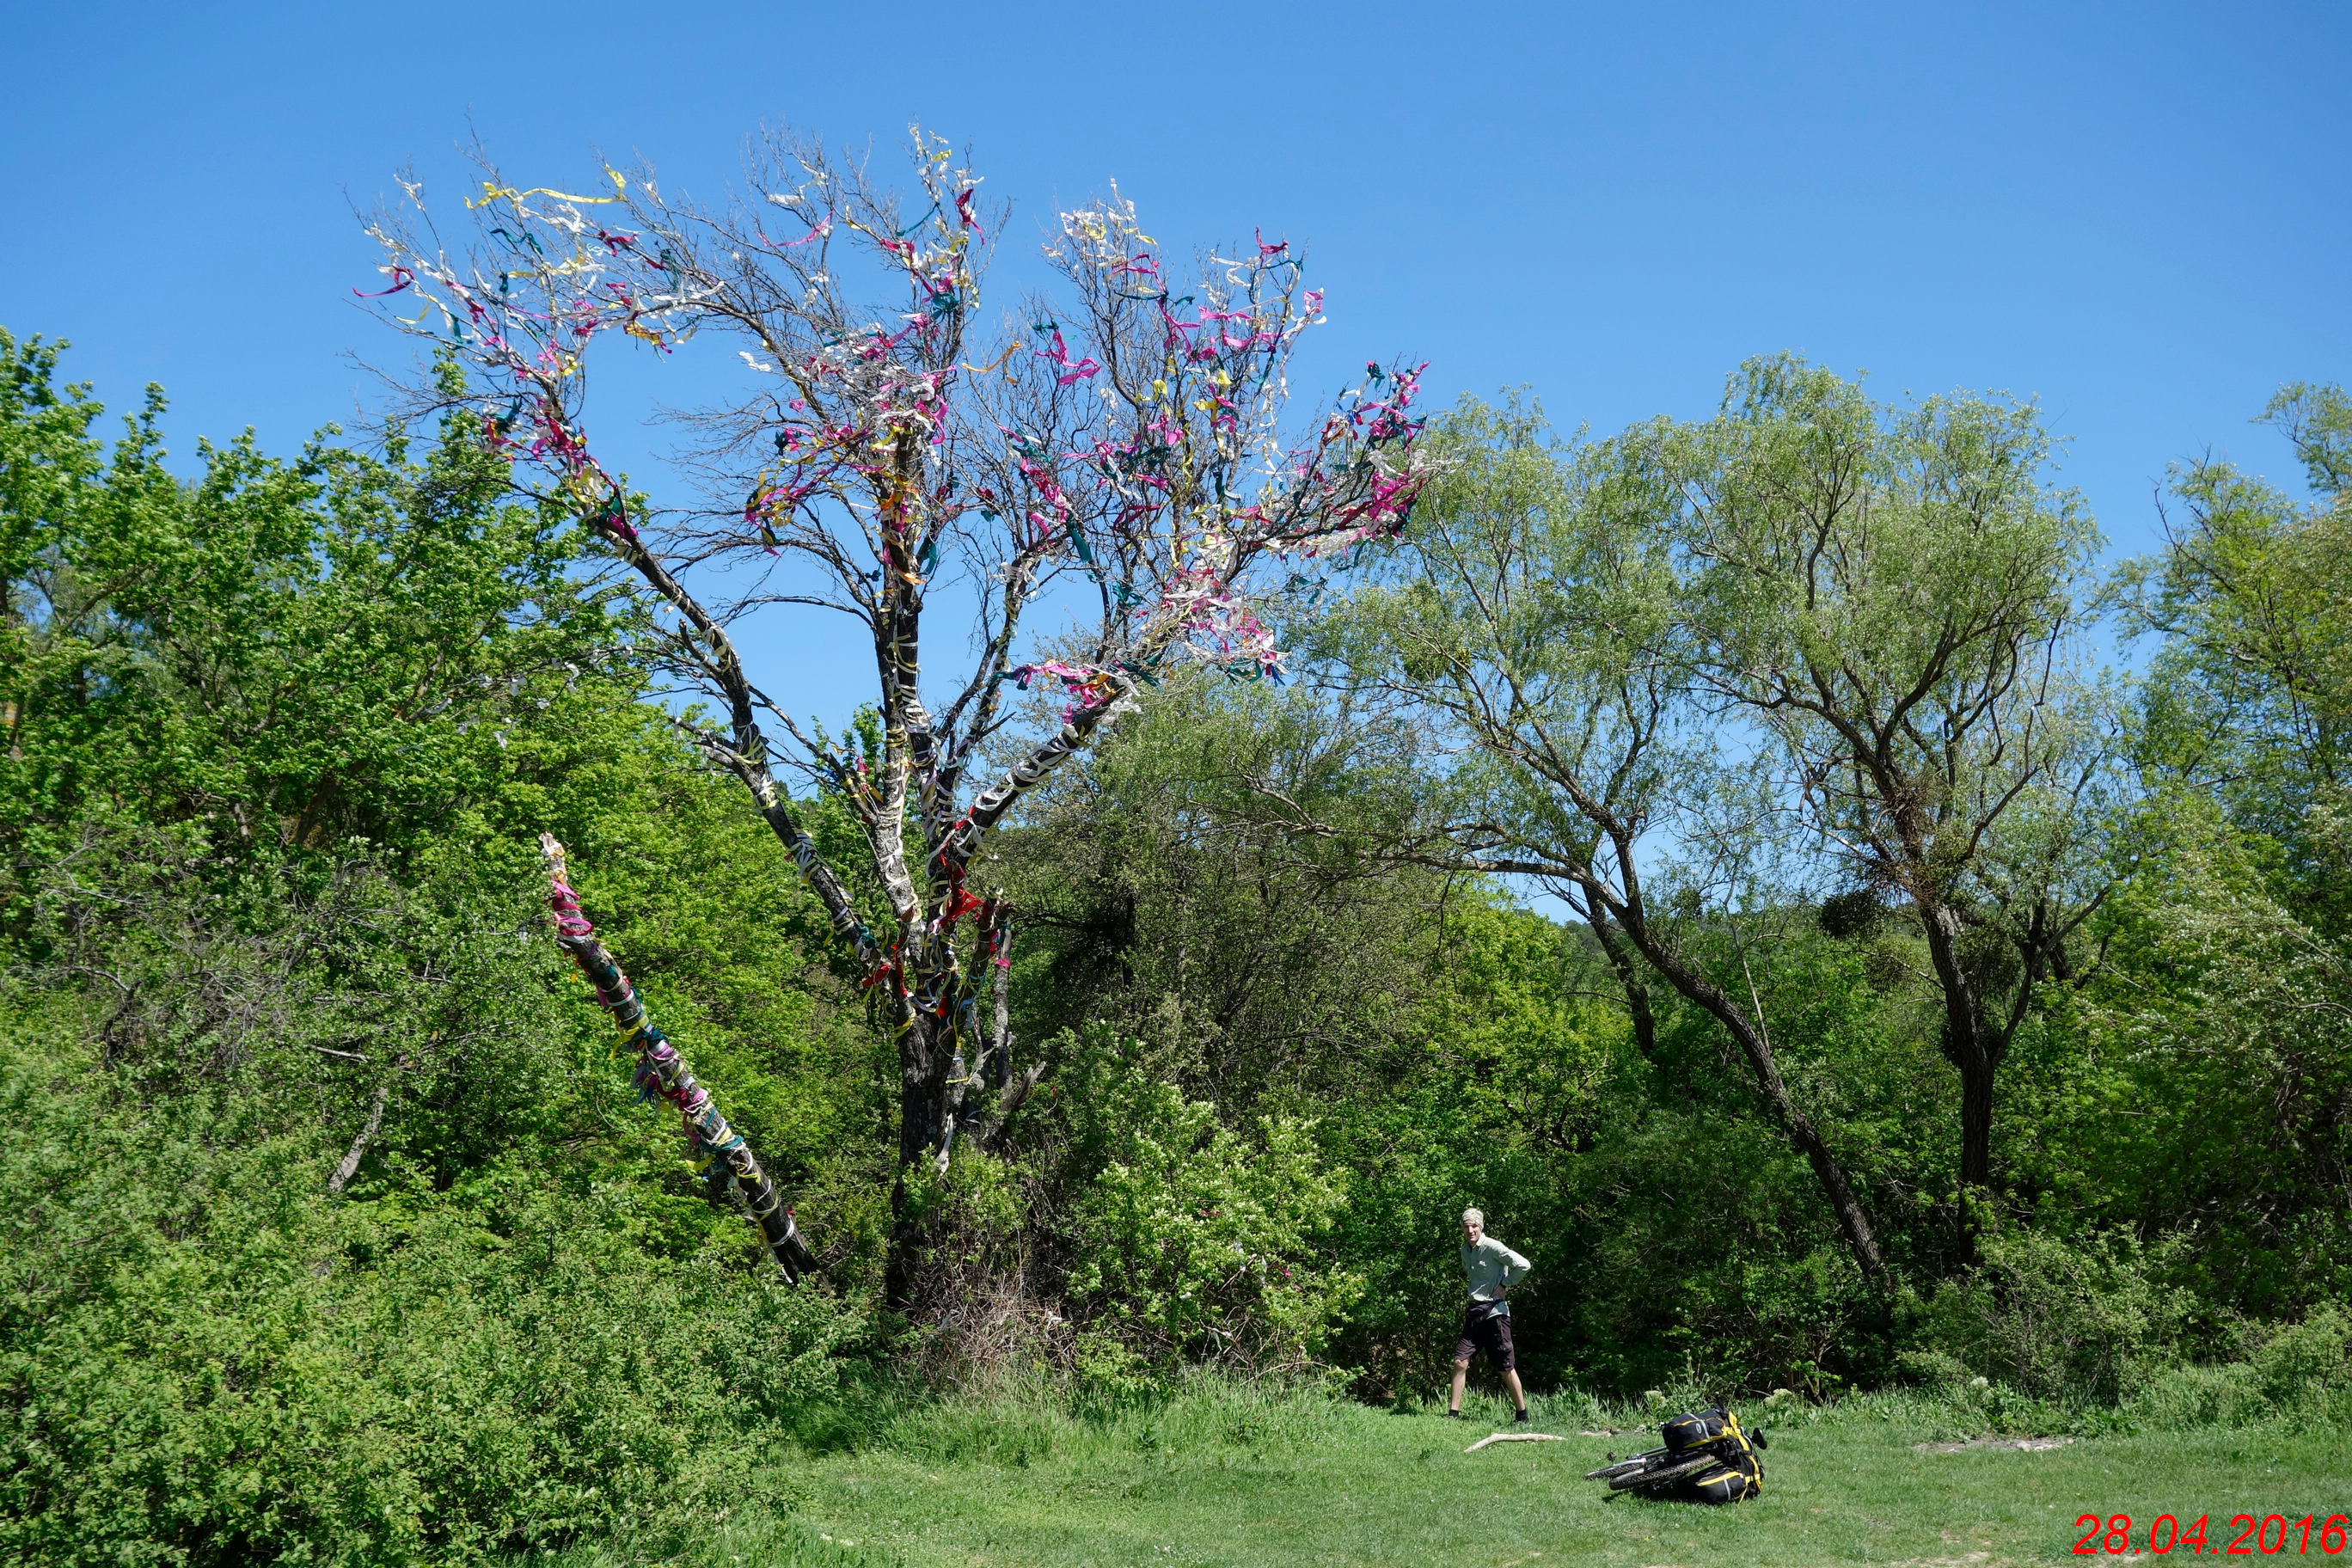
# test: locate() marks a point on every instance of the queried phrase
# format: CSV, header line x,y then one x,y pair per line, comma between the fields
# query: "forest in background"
x,y
1968,1011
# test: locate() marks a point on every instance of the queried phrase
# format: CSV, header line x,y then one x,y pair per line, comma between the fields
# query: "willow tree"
x,y
1894,595
1117,455
1535,621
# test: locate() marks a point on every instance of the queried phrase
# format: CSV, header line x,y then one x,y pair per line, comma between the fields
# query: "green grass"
x,y
1227,1479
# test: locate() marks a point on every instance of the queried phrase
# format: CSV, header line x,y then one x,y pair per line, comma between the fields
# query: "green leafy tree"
x,y
1535,616
1891,595
2250,693
2211,1068
1268,968
285,1074
284,655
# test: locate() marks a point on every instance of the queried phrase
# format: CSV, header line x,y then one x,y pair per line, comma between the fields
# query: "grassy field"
x,y
1233,1480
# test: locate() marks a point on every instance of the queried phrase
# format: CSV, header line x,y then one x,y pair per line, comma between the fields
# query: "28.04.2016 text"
x,y
2113,1534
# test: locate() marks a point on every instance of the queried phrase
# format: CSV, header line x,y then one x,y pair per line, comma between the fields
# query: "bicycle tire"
x,y
1626,1465
1660,1477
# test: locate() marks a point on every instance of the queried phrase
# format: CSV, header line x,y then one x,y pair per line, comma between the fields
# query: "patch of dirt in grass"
x,y
2021,1444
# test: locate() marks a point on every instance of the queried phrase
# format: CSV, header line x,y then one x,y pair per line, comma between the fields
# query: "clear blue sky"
x,y
2139,214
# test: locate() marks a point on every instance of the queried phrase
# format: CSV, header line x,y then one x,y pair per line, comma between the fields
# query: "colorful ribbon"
x,y
661,1072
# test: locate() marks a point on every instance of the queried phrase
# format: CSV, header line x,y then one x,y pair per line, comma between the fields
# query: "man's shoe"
x,y
1453,1415
1520,1419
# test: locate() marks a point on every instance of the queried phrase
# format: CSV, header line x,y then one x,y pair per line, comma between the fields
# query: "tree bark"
x,y
1637,995
988,1065
1852,1222
948,1048
1976,1123
997,1072
350,1162
1969,1043
920,1118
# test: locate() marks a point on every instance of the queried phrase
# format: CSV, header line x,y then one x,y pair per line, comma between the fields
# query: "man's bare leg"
x,y
1511,1377
1461,1376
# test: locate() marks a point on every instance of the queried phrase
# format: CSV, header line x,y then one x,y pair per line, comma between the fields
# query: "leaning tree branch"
x,y
662,1071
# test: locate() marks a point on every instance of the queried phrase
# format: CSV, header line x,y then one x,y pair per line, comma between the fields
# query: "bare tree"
x,y
1122,459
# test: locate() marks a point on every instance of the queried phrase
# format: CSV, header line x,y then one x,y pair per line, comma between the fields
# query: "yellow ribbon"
x,y
984,369
491,193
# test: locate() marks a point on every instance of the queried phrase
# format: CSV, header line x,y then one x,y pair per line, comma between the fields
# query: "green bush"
x,y
1938,1372
1195,1244
2053,1317
2300,1372
2307,1360
206,1359
2182,1397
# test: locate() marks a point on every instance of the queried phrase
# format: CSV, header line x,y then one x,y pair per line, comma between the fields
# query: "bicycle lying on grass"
x,y
1708,1457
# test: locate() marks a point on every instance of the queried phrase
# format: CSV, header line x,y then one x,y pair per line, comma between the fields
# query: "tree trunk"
x,y
1976,1122
1851,1219
955,1080
1970,1043
1637,995
349,1166
661,1070
922,1105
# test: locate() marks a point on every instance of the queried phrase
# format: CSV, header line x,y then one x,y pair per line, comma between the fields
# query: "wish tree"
x,y
1102,487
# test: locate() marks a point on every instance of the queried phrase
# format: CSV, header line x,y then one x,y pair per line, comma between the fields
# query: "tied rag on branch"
x,y
661,1071
1129,460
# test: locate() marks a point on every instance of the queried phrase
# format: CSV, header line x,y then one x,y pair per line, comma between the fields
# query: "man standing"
x,y
1491,1269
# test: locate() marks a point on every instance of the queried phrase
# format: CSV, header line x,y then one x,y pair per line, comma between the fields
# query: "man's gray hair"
x,y
1469,1215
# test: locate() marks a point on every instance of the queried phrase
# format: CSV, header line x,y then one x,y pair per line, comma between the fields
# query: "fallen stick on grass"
x,y
1514,1437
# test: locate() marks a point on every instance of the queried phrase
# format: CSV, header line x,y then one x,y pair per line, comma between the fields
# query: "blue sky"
x,y
2139,214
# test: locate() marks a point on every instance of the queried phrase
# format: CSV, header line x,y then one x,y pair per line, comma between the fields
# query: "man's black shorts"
x,y
1483,1328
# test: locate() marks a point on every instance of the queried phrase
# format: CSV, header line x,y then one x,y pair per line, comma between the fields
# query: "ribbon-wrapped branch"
x,y
662,1071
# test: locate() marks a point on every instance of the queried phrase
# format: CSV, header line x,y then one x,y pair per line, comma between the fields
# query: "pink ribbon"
x,y
401,278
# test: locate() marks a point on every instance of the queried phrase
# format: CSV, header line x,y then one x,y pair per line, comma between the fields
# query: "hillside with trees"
x,y
1730,852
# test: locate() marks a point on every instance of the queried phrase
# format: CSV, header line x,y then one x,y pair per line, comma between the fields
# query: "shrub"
x,y
1195,1244
2310,1359
2053,1318
203,1358
1935,1371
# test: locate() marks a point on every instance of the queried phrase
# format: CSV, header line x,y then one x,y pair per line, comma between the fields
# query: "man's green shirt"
x,y
1492,1267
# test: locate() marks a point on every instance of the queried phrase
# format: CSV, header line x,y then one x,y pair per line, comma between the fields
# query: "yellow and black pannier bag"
x,y
1708,1457
1695,1430
1738,1473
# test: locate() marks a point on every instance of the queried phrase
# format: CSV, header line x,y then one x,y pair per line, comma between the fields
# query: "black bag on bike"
x,y
1694,1430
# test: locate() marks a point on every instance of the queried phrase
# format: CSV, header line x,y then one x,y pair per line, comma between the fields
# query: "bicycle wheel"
x,y
1663,1474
